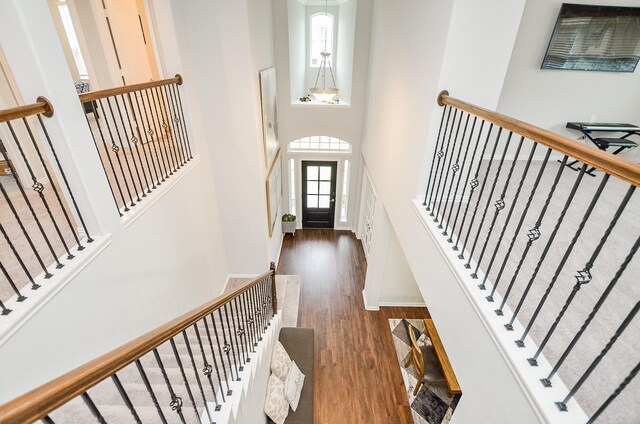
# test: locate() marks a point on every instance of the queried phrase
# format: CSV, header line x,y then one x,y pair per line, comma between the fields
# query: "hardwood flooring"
x,y
357,377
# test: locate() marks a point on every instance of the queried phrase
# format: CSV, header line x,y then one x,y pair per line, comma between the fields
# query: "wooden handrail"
x,y
39,402
450,377
41,106
612,165
101,94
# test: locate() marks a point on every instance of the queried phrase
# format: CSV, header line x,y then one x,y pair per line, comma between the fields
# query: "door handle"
x,y
332,200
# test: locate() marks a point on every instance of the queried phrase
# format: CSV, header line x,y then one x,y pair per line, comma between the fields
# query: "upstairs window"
x,y
320,143
65,16
321,31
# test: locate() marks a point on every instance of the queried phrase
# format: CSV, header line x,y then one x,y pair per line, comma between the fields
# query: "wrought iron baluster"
x,y
208,368
125,398
140,128
445,163
248,321
64,179
433,159
229,344
158,144
5,310
439,153
584,276
452,168
560,220
532,235
596,308
128,111
256,312
493,187
563,404
150,142
240,329
183,123
166,129
499,205
130,149
507,219
93,408
34,286
184,375
147,385
615,394
47,419
172,126
474,184
224,367
516,232
106,151
118,149
160,133
175,119
176,401
195,371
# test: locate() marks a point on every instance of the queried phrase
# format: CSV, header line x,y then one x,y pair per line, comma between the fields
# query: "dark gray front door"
x,y
318,194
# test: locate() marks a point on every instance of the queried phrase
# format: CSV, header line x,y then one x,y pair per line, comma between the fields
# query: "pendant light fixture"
x,y
321,92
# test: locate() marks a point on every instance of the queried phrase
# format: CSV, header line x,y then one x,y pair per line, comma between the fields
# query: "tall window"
x,y
321,31
73,39
344,202
292,186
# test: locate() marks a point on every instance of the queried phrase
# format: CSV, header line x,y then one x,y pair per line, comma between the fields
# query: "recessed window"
x,y
321,30
73,39
320,143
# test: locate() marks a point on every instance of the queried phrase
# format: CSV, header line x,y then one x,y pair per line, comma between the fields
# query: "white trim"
x,y
404,304
36,299
130,217
367,306
541,399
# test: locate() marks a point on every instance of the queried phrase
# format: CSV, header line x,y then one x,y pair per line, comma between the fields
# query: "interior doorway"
x,y
318,194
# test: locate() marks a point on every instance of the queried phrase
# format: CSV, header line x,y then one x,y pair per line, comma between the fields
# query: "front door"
x,y
318,194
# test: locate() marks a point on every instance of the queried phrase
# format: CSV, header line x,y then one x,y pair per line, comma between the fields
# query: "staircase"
x,y
206,366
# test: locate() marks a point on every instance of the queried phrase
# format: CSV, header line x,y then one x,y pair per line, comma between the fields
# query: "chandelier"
x,y
321,92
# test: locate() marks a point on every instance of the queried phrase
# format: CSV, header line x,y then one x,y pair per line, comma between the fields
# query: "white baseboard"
x,y
404,304
367,306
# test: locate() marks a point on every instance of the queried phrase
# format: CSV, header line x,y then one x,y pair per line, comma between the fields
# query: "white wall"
x,y
345,44
296,39
412,46
550,98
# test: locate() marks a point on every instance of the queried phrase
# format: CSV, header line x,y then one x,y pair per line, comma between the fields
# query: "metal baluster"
x,y
136,142
150,142
133,157
47,419
64,178
473,184
499,205
462,169
106,151
595,309
183,123
240,330
158,142
248,320
508,218
45,167
229,344
93,408
208,369
145,380
256,312
615,394
274,294
171,128
125,398
563,405
445,164
226,345
5,310
184,376
20,298
165,127
519,226
532,235
37,186
433,159
486,208
584,276
34,286
141,124
161,132
195,371
178,134
176,401
117,149
451,167
440,154
552,237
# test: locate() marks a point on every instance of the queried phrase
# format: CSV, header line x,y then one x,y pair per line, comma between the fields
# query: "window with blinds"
x,y
73,40
595,38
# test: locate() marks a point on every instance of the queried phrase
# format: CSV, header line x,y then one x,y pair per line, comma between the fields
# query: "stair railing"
x,y
43,229
141,137
517,219
210,345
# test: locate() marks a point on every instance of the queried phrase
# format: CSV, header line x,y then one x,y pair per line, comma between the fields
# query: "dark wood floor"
x,y
357,377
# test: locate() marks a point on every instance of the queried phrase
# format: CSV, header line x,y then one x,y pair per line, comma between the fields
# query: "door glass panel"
x,y
325,187
324,201
312,187
312,172
325,173
312,201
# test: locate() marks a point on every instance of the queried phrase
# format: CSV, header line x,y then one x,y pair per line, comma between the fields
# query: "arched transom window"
x,y
320,143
